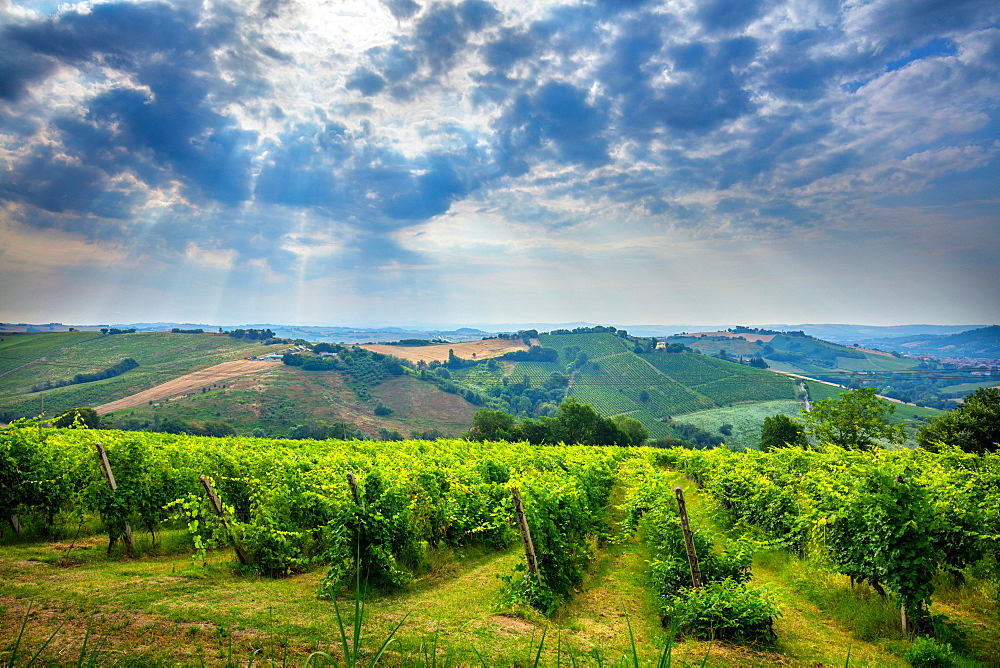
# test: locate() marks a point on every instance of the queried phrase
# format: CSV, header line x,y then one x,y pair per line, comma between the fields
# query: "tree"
x,y
79,417
973,426
632,428
780,431
218,429
492,425
578,422
856,420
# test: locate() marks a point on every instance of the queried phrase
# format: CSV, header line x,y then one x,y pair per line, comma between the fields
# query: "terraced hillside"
x,y
622,375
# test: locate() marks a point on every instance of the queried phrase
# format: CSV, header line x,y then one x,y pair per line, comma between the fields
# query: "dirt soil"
x,y
470,350
190,383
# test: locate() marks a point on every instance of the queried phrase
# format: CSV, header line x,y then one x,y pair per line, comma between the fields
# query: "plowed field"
x,y
189,383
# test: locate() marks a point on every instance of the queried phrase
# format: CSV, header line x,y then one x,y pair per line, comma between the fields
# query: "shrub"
x,y
929,653
724,610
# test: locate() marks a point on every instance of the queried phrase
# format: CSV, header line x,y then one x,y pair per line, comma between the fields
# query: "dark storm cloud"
x,y
709,90
418,58
901,24
120,34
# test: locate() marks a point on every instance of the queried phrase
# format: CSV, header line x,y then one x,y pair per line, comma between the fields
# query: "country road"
x,y
846,389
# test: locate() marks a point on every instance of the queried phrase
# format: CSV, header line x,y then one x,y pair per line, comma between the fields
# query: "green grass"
x,y
970,387
59,356
746,420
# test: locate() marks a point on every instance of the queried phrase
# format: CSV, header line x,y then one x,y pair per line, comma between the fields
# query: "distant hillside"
x,y
413,391
865,334
617,374
982,343
30,363
909,379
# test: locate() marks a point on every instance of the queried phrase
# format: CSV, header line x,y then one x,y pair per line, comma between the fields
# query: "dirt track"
x,y
192,382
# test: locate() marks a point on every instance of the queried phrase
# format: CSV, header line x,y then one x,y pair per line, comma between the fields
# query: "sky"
x,y
342,162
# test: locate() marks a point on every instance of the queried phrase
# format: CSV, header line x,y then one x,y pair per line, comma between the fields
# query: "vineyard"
x,y
593,344
902,525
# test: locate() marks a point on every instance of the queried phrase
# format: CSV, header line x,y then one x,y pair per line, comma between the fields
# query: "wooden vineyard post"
x,y
522,524
109,477
353,484
902,606
688,539
241,552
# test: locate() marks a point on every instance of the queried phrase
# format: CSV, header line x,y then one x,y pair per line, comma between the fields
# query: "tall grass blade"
x,y
631,638
343,633
668,649
389,638
704,661
20,634
86,637
42,648
847,662
317,655
541,644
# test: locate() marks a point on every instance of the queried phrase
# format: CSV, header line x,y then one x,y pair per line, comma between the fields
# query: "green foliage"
x,y
974,426
366,367
892,519
493,425
927,652
723,610
565,509
632,428
856,420
575,423
86,418
204,526
780,431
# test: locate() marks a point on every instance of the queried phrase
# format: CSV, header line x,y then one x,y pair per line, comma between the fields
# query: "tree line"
x,y
859,420
126,364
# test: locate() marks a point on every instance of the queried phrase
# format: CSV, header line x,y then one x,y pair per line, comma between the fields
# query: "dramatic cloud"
x,y
617,161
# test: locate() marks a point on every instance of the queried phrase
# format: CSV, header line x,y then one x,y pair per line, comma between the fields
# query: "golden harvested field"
x,y
470,350
188,383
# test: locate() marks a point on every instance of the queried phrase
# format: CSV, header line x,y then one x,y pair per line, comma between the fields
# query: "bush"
x,y
723,610
929,653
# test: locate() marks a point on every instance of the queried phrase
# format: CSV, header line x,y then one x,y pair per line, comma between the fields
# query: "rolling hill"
x,y
982,343
179,380
37,370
